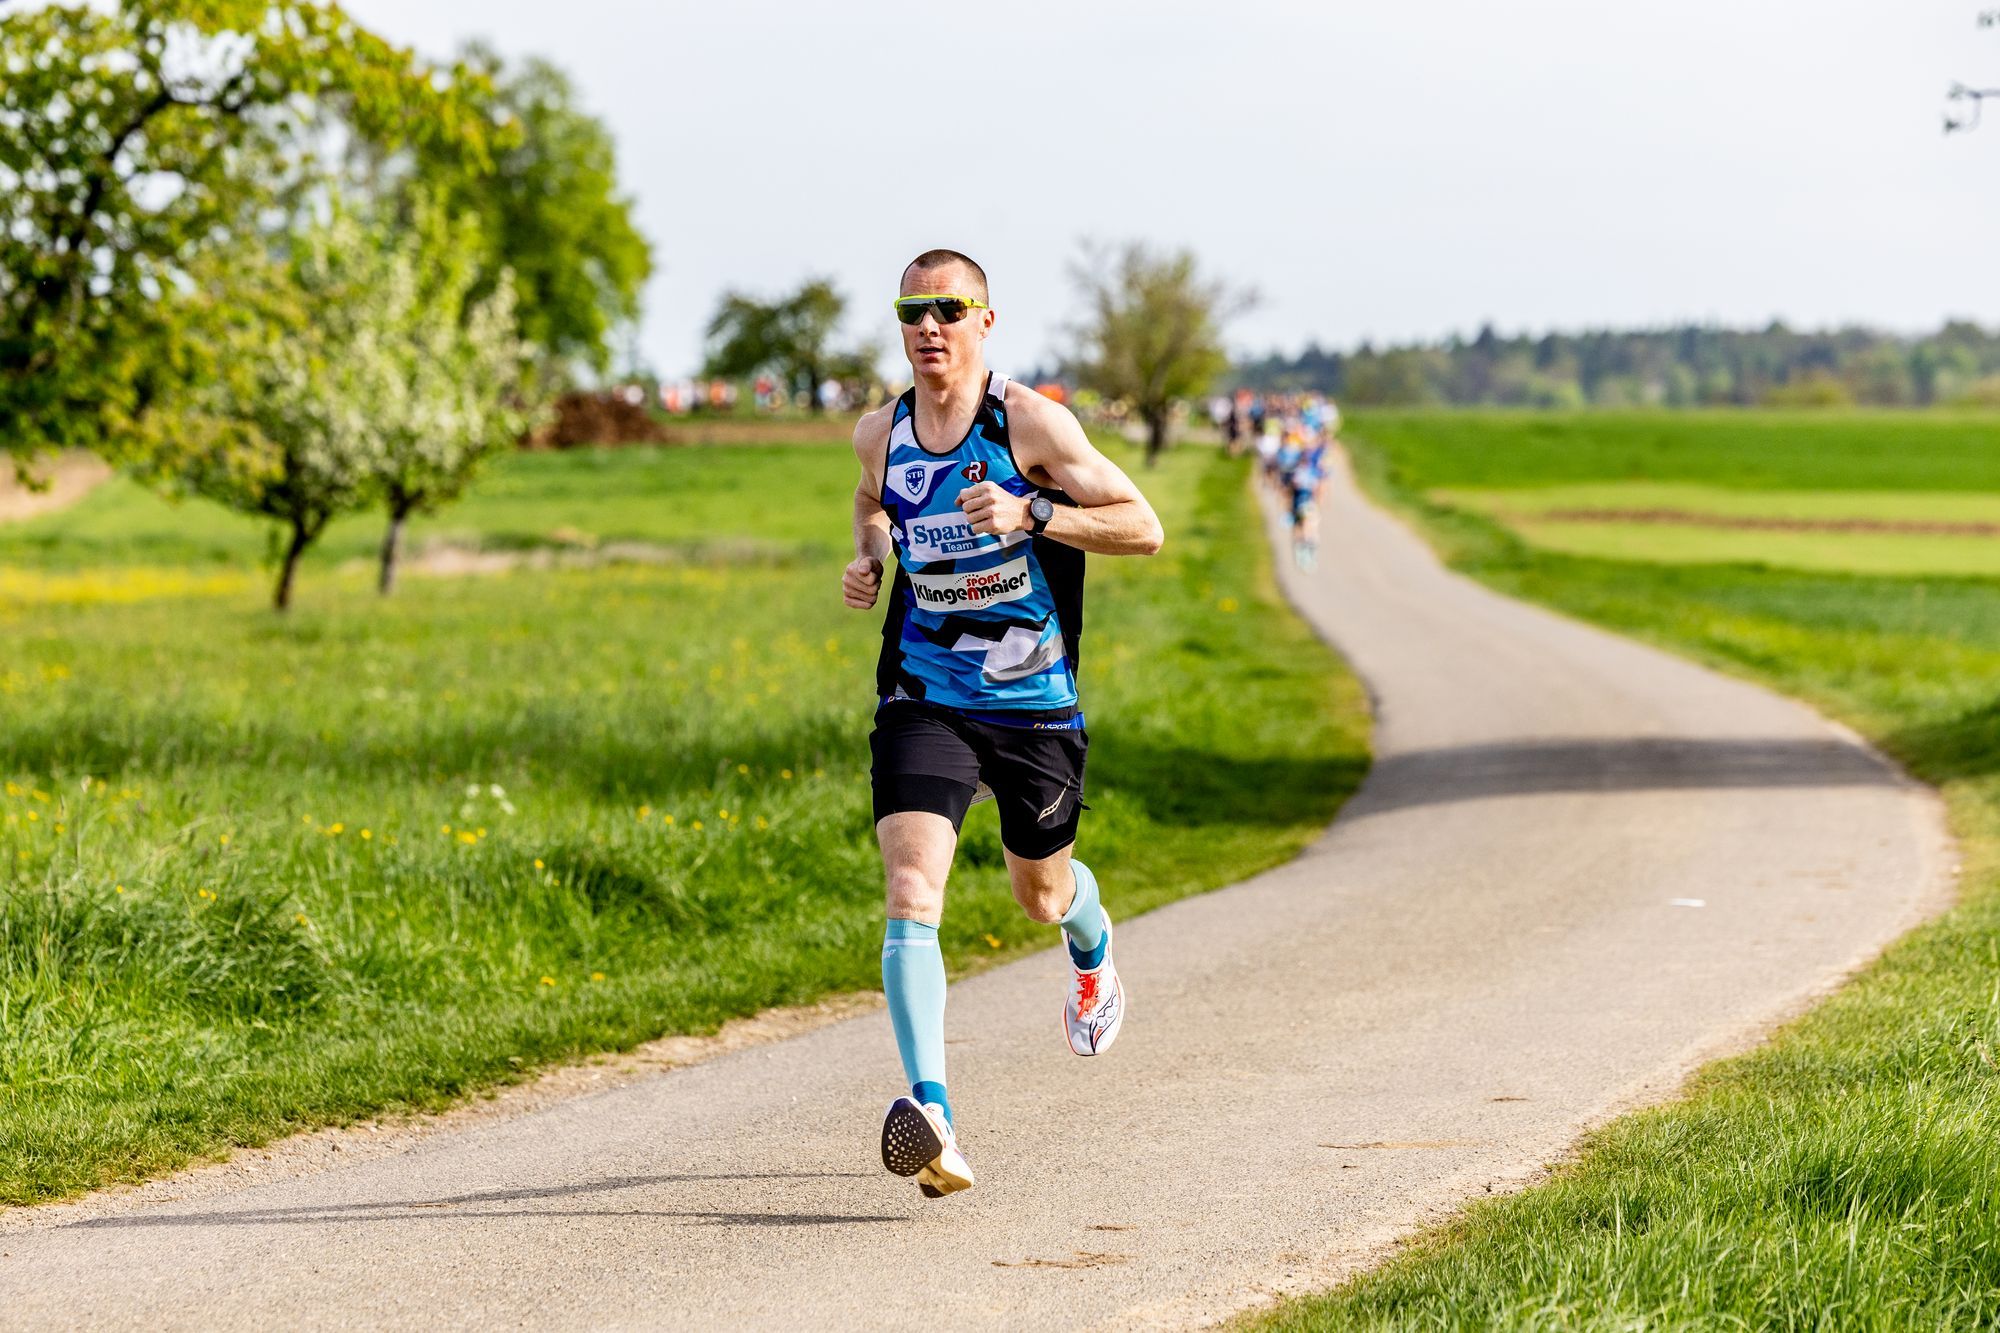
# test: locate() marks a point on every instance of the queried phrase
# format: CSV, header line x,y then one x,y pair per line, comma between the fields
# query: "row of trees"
x,y
249,250
1685,366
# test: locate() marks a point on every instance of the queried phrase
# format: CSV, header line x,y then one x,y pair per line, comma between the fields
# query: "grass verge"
x,y
259,874
1847,1174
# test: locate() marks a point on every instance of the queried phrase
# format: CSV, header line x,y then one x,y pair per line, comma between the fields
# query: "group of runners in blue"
x,y
1294,439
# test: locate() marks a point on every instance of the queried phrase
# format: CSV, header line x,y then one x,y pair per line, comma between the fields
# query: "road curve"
x,y
1493,947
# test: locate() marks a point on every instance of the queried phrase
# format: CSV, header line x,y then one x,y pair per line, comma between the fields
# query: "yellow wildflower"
x,y
539,865
785,773
224,839
992,941
336,828
696,826
597,976
548,981
367,836
468,838
743,768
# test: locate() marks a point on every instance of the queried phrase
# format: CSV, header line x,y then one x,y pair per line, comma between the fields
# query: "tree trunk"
x,y
812,390
392,546
301,538
1156,437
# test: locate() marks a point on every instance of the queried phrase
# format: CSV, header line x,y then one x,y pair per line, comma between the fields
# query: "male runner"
x,y
989,494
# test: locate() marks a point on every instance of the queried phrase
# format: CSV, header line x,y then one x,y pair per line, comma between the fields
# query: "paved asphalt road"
x,y
1497,944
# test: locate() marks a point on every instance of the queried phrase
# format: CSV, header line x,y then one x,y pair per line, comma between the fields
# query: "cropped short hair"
x,y
931,259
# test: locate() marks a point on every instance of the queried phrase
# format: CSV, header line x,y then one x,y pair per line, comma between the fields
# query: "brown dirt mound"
x,y
596,418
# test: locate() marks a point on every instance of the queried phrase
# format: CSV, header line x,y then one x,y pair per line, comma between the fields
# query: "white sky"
x,y
1393,169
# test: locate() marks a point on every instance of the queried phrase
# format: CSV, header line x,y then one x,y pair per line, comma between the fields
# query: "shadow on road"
x,y
449,1207
1476,772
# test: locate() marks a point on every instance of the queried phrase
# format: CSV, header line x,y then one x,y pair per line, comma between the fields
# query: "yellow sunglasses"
x,y
948,309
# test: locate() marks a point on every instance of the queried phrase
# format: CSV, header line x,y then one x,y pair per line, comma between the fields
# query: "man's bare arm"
x,y
861,581
1112,517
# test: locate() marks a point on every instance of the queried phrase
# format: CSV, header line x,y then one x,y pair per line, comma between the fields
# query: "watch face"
x,y
1041,509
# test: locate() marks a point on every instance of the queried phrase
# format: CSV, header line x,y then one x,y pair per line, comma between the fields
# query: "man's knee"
x,y
914,894
1043,888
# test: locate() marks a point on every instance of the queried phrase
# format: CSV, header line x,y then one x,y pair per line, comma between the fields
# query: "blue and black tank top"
x,y
977,623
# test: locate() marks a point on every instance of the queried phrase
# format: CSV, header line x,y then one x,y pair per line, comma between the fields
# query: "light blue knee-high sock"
x,y
913,981
1083,923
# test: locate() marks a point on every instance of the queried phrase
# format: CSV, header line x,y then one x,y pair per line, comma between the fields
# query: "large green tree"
x,y
791,337
550,210
135,137
1151,332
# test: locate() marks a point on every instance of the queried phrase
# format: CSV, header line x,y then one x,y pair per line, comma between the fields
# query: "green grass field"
x,y
1850,531
259,873
1847,1175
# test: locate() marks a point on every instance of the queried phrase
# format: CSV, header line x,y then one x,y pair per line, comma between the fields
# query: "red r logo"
x,y
975,472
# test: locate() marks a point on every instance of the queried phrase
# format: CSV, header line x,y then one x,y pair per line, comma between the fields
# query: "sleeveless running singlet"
x,y
976,623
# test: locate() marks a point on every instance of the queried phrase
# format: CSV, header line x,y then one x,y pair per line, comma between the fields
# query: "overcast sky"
x,y
1387,170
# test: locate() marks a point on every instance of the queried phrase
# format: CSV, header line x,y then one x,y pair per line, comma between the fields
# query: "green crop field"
x,y
259,873
1866,532
1847,1175
1881,451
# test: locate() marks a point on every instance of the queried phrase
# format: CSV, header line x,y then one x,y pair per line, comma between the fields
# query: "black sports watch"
x,y
1040,509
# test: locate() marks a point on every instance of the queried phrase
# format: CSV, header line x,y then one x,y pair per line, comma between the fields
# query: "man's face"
x,y
939,349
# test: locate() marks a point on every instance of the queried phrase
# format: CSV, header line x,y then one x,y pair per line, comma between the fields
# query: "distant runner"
x,y
1307,484
977,680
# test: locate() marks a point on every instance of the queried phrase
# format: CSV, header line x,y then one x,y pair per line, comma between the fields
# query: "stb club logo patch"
x,y
914,477
975,471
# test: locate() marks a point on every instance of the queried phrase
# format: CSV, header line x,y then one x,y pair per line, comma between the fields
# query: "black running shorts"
x,y
932,759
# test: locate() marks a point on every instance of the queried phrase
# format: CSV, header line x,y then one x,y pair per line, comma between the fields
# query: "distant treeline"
x,y
1688,366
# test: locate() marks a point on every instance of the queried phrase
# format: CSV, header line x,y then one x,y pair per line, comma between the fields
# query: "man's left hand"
x,y
993,510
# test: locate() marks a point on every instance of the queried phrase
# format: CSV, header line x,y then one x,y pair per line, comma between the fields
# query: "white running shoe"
x,y
917,1141
1095,1007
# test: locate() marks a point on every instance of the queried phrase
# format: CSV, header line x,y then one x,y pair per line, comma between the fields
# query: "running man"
x,y
989,494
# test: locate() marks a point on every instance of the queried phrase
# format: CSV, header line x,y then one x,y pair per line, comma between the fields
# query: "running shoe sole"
x,y
909,1142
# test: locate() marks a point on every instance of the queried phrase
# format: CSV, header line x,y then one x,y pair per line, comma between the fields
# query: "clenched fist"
x,y
992,510
861,581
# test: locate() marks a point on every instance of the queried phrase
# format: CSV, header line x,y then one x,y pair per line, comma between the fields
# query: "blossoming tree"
x,y
349,369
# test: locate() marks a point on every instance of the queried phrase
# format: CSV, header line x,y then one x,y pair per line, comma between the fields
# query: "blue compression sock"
x,y
913,981
1084,922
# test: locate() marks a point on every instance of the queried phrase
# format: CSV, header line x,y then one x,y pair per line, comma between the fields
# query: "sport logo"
x,y
912,481
945,537
984,587
975,471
